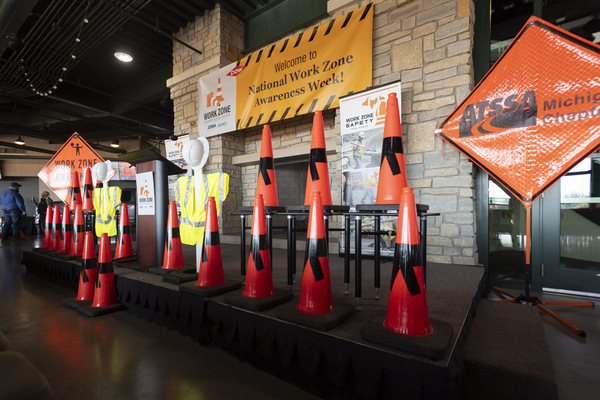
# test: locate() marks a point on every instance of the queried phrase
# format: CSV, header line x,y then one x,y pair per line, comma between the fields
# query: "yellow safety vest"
x,y
193,212
106,201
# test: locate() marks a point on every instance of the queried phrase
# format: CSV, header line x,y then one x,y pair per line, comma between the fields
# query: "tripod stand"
x,y
534,301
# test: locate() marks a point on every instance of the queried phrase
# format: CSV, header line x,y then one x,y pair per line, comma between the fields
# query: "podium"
x,y
151,229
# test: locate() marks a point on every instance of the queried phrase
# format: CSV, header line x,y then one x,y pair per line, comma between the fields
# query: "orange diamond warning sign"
x,y
535,114
73,157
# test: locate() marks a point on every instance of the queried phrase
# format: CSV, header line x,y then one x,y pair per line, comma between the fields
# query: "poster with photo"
x,y
174,153
362,119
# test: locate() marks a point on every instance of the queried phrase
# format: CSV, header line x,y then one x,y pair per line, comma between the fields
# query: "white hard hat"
x,y
195,152
99,171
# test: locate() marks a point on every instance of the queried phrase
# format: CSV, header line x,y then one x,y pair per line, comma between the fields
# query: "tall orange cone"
x,y
75,191
124,245
392,172
259,277
99,184
66,232
318,171
407,312
89,270
173,257
211,264
88,191
266,184
105,294
315,294
56,232
47,241
77,244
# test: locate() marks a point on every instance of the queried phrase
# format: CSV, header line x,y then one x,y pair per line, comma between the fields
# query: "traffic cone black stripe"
x,y
210,239
316,155
406,257
392,146
124,230
78,229
315,248
89,263
105,267
68,228
259,242
264,165
172,233
84,277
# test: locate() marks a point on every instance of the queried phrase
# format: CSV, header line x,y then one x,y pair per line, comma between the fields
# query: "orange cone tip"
x,y
318,171
266,185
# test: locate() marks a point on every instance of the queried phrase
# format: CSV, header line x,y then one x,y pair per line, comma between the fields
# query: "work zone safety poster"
x,y
362,119
299,75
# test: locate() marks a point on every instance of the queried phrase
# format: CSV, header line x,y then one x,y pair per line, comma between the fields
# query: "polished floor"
x,y
122,356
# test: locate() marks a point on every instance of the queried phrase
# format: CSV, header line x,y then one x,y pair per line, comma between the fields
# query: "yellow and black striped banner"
x,y
298,75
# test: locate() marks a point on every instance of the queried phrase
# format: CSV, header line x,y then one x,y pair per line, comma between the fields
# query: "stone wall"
x,y
424,43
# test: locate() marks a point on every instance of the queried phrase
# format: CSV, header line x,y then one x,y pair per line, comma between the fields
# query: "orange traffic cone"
x,y
105,294
124,246
56,232
315,294
211,264
75,191
316,308
99,184
66,232
392,172
173,257
407,306
318,171
266,184
259,278
89,271
88,191
77,234
48,229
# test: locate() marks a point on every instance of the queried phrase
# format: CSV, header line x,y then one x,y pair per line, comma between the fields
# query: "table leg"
x,y
358,260
243,248
376,259
346,254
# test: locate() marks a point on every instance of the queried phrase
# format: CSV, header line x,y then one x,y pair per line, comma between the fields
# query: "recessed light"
x,y
123,57
115,143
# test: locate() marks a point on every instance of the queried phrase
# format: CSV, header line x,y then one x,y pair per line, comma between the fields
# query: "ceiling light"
x,y
115,143
123,57
20,141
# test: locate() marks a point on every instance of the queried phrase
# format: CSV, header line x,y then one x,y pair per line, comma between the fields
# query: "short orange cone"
x,y
318,171
259,277
392,172
266,184
56,232
173,257
211,264
89,270
78,233
88,191
124,245
66,232
46,242
75,191
407,312
315,294
105,294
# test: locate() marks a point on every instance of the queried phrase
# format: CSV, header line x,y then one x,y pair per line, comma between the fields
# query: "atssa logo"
x,y
514,111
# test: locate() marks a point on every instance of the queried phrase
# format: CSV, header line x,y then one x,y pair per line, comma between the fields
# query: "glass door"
x,y
571,230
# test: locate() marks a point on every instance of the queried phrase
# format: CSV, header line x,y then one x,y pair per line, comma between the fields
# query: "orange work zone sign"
x,y
535,114
74,156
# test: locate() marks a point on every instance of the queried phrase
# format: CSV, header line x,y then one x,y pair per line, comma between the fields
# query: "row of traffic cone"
x,y
392,173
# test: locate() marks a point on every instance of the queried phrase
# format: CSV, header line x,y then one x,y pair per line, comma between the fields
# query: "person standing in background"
x,y
13,207
42,206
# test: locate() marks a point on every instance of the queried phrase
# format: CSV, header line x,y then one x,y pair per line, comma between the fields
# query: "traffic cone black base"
x,y
434,346
181,275
259,303
320,322
85,308
76,304
210,291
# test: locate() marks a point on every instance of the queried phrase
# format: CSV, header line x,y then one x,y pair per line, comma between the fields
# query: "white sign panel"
x,y
217,93
145,193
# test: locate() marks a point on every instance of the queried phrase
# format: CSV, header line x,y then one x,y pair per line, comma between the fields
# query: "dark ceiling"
x,y
58,74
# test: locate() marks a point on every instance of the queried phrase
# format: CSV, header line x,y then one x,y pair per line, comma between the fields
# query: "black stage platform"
x,y
337,363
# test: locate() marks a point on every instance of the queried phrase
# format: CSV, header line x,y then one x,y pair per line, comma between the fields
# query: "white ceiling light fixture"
x,y
20,141
123,57
115,143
